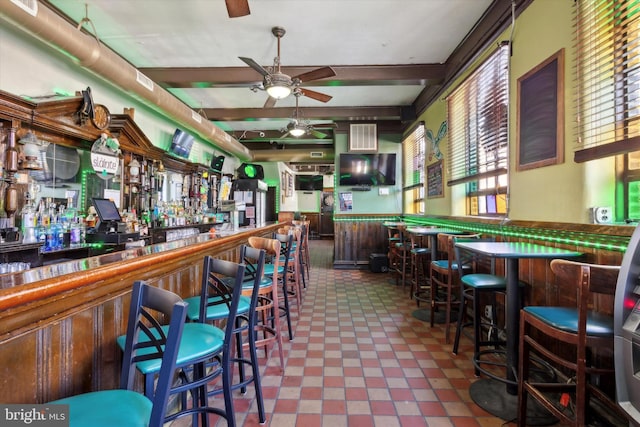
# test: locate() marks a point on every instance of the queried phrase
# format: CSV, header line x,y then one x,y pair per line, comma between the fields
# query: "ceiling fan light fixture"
x,y
278,91
278,85
297,131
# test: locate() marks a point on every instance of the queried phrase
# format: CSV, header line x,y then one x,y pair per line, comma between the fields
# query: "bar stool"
x,y
444,277
147,342
205,350
286,243
268,319
219,292
586,332
393,237
402,256
299,241
294,273
420,256
305,258
478,284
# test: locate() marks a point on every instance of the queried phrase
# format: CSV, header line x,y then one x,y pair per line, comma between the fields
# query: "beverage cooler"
x,y
253,192
627,330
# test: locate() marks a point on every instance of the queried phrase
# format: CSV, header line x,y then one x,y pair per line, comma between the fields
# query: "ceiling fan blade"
x,y
315,95
237,8
253,64
320,73
317,134
271,102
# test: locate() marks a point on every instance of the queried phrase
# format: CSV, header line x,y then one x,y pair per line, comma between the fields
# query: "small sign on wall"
x,y
434,180
346,201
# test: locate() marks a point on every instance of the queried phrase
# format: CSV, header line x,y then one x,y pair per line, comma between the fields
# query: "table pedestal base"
x,y
492,396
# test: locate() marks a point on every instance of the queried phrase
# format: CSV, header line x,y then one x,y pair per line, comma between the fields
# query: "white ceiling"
x,y
337,33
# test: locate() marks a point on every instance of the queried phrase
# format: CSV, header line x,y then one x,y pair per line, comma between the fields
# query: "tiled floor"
x,y
359,358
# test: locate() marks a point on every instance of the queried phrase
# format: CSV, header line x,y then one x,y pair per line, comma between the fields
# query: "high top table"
x,y
433,236
498,399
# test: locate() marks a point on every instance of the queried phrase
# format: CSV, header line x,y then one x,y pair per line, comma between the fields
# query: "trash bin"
x,y
378,263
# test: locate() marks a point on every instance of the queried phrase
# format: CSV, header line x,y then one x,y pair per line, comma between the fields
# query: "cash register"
x,y
109,227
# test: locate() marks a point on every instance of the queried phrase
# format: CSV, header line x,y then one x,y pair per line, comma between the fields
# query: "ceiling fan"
x,y
297,127
237,8
279,85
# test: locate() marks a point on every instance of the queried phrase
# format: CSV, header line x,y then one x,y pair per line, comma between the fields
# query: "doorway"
x,y
326,214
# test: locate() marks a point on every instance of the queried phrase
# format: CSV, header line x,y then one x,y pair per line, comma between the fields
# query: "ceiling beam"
x,y
294,155
278,143
348,75
308,113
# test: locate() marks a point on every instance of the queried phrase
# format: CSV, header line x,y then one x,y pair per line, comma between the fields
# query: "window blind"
x,y
413,147
478,121
607,82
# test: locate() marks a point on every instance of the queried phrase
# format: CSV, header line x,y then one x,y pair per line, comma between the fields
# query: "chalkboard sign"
x,y
541,114
434,180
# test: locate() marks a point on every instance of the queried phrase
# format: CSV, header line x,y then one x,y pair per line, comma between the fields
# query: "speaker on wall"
x,y
250,171
217,163
408,113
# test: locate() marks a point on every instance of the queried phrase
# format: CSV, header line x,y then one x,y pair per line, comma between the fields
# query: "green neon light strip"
x,y
588,240
572,238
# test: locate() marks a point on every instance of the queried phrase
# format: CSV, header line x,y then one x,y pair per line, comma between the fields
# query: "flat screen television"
x,y
181,143
309,182
367,169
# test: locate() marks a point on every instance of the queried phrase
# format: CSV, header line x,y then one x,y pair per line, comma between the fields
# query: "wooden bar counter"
x,y
58,323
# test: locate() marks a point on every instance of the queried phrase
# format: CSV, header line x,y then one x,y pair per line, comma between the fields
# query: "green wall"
x,y
563,192
372,202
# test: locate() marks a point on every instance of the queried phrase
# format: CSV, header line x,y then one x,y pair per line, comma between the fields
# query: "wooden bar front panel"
x,y
355,241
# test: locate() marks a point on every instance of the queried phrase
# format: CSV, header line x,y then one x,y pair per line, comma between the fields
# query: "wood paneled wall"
x,y
355,241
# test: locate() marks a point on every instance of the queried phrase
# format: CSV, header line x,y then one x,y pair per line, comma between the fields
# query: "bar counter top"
x,y
24,286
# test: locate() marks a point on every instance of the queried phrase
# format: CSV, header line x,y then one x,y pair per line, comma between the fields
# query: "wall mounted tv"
x,y
181,143
309,182
367,169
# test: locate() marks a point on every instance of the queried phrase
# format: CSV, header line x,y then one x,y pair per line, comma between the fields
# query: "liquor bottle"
x,y
62,218
75,239
70,213
41,230
59,230
51,236
28,224
44,214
